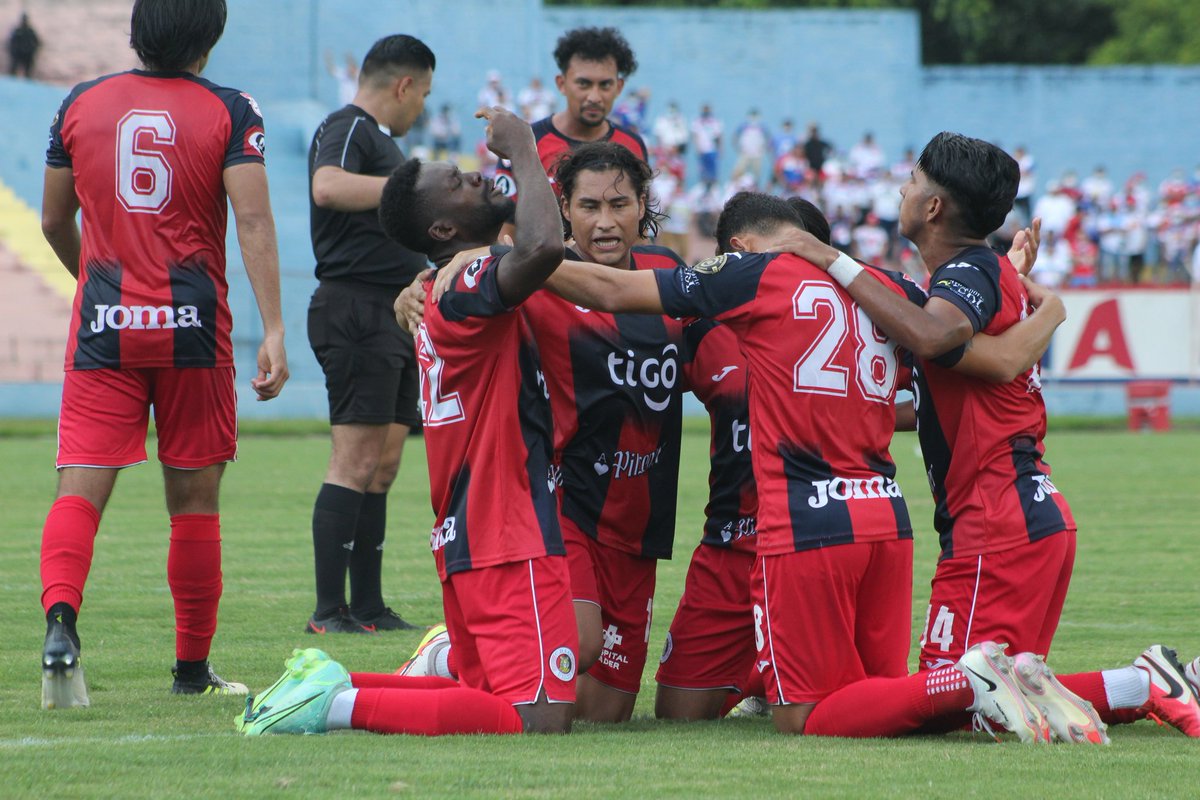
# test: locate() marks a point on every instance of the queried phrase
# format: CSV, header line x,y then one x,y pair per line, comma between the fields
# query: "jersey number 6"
x,y
143,172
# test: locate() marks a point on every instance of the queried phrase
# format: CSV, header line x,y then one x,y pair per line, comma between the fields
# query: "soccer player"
x,y
614,383
593,64
831,583
496,540
1007,534
369,362
150,324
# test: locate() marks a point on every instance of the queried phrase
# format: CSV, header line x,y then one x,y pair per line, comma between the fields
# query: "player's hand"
x,y
409,305
1025,245
805,245
506,132
272,367
1044,301
446,274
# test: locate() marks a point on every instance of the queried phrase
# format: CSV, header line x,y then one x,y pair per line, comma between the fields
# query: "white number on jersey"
x,y
436,409
143,172
876,368
941,632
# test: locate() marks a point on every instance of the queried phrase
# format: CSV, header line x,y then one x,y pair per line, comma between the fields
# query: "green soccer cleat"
x,y
421,662
293,675
300,707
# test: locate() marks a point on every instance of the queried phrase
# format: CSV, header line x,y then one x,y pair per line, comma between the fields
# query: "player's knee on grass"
x,y
597,702
792,718
546,717
671,702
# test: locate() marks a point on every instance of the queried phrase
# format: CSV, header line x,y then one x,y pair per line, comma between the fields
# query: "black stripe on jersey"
x,y
456,551
935,451
192,286
537,432
880,464
1043,517
730,471
98,345
813,524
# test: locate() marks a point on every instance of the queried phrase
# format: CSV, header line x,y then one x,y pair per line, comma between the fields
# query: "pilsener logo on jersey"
x,y
844,489
139,318
655,376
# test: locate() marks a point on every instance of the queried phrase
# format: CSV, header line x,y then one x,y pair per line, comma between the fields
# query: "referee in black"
x,y
369,362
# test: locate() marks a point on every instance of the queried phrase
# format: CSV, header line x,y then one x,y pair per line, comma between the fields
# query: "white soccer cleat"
x,y
997,696
421,662
1174,696
750,706
1071,718
1192,672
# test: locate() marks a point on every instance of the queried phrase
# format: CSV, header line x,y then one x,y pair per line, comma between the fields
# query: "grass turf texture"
x,y
1135,583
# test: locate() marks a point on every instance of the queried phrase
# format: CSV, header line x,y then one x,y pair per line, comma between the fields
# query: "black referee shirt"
x,y
352,245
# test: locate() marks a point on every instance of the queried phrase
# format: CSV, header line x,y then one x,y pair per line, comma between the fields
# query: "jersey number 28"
x,y
817,372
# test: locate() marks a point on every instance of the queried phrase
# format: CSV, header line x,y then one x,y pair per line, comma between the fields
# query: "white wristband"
x,y
844,269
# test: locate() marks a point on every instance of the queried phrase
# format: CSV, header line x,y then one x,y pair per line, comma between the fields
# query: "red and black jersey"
x,y
148,151
488,432
552,143
982,442
615,388
716,372
822,387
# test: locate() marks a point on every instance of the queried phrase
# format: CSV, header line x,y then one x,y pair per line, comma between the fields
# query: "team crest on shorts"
x,y
668,646
711,266
562,663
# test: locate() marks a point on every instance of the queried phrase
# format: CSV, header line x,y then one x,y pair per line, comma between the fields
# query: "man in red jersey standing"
x,y
150,156
593,64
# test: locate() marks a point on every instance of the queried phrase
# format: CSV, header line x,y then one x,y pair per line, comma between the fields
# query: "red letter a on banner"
x,y
1103,335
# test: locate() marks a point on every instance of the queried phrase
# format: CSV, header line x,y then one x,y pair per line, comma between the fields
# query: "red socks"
x,y
380,680
890,706
68,540
430,711
194,575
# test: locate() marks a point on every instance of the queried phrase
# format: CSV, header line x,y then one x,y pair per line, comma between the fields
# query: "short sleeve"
x,y
715,288
247,137
343,144
56,152
475,292
972,287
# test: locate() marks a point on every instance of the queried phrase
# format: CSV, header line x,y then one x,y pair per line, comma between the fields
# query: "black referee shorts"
x,y
369,361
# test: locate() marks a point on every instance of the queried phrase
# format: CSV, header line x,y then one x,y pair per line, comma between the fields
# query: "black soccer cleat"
x,y
337,622
386,620
62,674
205,682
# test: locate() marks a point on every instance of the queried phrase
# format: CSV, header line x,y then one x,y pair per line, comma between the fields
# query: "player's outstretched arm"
x,y
246,185
339,190
1003,358
607,289
59,206
538,244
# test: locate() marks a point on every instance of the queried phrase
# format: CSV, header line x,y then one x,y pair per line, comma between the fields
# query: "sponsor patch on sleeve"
x,y
688,279
711,266
256,143
972,298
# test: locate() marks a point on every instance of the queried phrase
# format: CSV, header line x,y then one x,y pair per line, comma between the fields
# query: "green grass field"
x,y
1137,581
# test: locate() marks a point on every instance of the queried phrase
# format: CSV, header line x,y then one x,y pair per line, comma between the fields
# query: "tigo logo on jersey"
x,y
562,663
442,534
651,373
144,318
853,489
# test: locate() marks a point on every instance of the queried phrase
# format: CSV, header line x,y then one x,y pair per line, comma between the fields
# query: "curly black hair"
x,y
601,157
402,215
595,44
980,178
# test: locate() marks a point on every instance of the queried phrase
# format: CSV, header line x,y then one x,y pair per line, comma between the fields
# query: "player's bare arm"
x,y
906,416
59,206
409,305
606,289
338,190
246,185
927,331
538,247
1002,358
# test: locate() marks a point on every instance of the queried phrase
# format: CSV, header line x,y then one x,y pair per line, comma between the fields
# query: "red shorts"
x,y
623,586
513,629
711,641
1014,597
105,414
826,618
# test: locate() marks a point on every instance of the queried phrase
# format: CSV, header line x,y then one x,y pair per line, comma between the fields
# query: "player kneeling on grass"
x,y
496,542
831,584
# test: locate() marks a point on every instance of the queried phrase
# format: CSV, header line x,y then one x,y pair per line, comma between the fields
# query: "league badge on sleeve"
x,y
253,104
711,266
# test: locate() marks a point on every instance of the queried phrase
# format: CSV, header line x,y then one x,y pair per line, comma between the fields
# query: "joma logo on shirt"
x,y
144,318
853,489
442,534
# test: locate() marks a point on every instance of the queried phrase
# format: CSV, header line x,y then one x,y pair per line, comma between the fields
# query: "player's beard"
x,y
492,214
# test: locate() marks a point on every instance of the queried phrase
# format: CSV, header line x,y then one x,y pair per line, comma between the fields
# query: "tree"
x,y
1153,32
